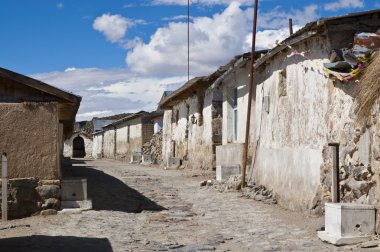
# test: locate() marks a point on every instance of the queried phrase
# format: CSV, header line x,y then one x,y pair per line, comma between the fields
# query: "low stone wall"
x,y
30,196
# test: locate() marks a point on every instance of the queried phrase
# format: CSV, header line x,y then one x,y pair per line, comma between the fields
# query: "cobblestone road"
x,y
140,208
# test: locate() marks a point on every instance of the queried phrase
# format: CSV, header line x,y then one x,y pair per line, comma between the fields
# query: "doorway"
x,y
78,147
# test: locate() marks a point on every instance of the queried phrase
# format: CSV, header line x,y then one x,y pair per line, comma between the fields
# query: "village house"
x,y
233,85
307,98
193,123
124,137
79,143
35,118
97,136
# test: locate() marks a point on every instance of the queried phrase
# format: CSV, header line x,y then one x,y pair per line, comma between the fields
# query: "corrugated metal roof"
x,y
99,124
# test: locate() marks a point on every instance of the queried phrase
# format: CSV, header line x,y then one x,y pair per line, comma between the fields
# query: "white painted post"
x,y
4,187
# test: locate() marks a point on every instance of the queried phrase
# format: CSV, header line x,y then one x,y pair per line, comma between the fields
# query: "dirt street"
x,y
141,208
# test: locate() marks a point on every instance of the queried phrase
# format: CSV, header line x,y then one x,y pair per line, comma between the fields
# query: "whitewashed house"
x,y
192,123
124,137
300,108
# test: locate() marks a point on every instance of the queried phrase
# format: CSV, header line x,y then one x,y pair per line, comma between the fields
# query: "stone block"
x,y
52,203
49,191
24,182
48,212
22,194
49,182
82,204
229,154
224,172
347,223
74,189
173,163
365,148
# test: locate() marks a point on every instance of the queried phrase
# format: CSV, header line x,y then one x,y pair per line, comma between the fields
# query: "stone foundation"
x,y
30,196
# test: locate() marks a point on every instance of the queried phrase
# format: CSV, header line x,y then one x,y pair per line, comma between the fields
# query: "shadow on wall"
x,y
109,193
43,243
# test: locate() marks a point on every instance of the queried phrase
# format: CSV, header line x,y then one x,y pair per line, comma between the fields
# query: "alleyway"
x,y
139,208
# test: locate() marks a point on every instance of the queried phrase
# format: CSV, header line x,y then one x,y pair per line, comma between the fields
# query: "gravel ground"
x,y
146,208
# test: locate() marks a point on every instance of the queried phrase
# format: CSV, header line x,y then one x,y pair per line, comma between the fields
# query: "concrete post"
x,y
335,194
4,187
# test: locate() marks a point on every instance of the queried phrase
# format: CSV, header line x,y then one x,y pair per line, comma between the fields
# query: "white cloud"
x,y
213,41
277,18
132,43
160,64
94,114
268,38
111,91
60,5
202,2
344,4
113,27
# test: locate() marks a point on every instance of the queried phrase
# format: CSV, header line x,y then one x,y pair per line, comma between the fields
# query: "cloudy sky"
x,y
120,55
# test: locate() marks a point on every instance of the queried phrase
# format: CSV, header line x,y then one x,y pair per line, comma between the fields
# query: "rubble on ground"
x,y
154,147
250,191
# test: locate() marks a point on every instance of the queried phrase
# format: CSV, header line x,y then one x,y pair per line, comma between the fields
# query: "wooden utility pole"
x,y
252,90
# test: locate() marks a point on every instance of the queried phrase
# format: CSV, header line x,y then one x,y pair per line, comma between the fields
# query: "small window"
x,y
177,117
234,114
282,83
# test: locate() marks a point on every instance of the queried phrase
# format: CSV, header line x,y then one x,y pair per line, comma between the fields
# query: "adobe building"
x,y
35,118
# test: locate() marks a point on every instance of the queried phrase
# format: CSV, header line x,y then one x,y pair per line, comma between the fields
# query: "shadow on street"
x,y
42,243
108,192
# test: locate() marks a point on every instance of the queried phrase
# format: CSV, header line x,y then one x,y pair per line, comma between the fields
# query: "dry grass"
x,y
368,89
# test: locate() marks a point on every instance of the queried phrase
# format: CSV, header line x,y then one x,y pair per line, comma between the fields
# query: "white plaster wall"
x,y
109,143
68,145
166,136
123,148
238,79
97,146
197,148
292,135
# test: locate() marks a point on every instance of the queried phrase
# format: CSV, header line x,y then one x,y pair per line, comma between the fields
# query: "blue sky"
x,y
121,55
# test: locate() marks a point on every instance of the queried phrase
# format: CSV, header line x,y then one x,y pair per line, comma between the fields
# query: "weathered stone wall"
x,y
359,148
193,141
109,143
68,145
29,136
292,131
30,196
97,145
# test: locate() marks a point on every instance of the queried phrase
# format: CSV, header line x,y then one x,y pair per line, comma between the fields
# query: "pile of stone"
x,y
259,193
154,148
250,191
357,185
29,196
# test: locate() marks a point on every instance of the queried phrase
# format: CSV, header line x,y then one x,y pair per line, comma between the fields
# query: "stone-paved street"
x,y
140,208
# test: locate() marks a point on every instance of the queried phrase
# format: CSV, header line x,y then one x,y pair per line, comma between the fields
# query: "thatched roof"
x,y
368,89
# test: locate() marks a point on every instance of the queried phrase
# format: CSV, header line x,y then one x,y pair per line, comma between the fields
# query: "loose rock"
x,y
48,212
